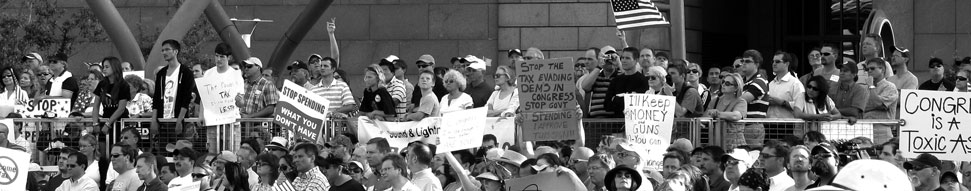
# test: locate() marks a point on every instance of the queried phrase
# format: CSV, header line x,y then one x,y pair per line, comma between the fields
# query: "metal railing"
x,y
700,131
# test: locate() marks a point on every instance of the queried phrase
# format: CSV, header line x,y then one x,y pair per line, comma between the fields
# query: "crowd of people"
x,y
837,88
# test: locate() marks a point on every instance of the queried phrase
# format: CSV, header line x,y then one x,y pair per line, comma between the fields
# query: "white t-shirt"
x,y
180,181
170,89
126,181
449,105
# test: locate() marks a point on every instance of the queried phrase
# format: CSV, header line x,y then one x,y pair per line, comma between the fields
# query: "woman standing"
x,y
504,101
730,107
395,170
815,104
657,82
111,94
456,99
28,82
377,103
43,81
86,94
11,94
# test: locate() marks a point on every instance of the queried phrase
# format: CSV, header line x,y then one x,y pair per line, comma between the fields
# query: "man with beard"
x,y
710,165
824,164
799,167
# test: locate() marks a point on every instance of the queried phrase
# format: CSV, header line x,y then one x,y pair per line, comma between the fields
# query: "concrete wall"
x,y
930,29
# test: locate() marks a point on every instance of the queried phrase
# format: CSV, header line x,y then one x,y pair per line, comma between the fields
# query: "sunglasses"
x,y
8,76
71,165
822,156
694,71
284,168
729,84
653,77
249,65
43,74
826,53
115,155
500,75
738,66
423,65
199,175
732,162
962,78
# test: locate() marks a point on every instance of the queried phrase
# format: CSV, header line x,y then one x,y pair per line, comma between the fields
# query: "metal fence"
x,y
41,133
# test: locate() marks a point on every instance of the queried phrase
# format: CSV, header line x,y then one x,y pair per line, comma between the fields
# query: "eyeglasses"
x,y
694,71
43,74
826,53
199,175
962,78
652,77
748,61
729,84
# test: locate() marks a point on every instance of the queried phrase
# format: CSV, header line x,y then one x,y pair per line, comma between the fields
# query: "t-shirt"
x,y
904,80
852,96
464,101
480,93
757,86
377,100
439,90
110,97
126,181
429,105
231,75
634,83
943,85
180,181
350,185
169,91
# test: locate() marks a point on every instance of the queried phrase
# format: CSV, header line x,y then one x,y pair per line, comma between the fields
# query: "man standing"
x,y
850,98
145,168
686,95
903,79
937,81
478,88
63,84
646,59
123,159
598,83
829,55
872,47
174,86
631,81
427,63
754,91
784,88
223,72
337,92
799,165
773,158
76,163
515,56
260,96
419,163
714,84
882,101
309,177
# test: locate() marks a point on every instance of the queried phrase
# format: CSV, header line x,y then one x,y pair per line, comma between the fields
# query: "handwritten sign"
x,y
550,126
503,128
300,111
218,100
544,181
13,169
547,94
648,120
935,122
53,108
399,134
462,130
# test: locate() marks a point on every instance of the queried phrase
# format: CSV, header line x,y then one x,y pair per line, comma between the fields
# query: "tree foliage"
x,y
42,26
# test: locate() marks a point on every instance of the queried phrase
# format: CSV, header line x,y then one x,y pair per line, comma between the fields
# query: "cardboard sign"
x,y
218,100
53,108
399,134
648,120
543,182
300,111
13,169
547,95
140,74
935,122
461,130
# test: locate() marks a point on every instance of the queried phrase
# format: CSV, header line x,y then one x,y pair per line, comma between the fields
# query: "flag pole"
x,y
677,29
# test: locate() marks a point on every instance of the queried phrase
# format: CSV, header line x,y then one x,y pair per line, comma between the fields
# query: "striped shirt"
x,y
338,94
757,86
397,90
599,96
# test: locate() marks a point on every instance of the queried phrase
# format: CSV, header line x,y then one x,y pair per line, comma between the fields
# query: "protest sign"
x,y
931,123
399,134
218,100
648,120
140,74
550,126
461,130
51,108
544,181
547,95
13,169
300,111
504,129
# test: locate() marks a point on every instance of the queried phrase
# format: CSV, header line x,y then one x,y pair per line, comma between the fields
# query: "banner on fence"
x,y
399,134
13,169
300,111
461,130
648,120
218,100
932,123
51,108
544,181
547,95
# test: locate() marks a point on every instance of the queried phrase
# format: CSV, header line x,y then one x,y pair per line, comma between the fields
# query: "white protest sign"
x,y
932,123
54,108
504,129
648,120
217,100
399,134
300,111
461,130
13,169
140,74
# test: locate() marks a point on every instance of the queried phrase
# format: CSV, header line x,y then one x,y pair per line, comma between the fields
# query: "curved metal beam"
x,y
176,29
227,30
291,39
118,32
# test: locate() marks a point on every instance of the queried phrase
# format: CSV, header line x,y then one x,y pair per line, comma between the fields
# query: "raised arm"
x,y
334,51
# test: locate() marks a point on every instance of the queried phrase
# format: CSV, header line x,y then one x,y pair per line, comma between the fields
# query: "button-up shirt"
x,y
426,180
883,98
258,95
311,180
849,96
81,184
785,89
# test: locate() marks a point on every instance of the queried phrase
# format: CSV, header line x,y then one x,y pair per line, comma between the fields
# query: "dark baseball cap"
x,y
186,152
851,67
922,161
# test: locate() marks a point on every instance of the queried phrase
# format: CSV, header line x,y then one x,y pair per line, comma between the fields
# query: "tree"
x,y
45,28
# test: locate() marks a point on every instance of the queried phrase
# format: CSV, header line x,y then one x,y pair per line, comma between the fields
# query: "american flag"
x,y
632,14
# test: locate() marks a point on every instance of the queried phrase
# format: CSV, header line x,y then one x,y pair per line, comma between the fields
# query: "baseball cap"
x,y
581,153
427,58
922,161
178,145
608,50
869,174
739,154
512,157
851,67
514,51
391,58
255,61
488,176
186,152
59,57
340,140
475,62
312,56
546,149
823,147
34,55
227,156
277,143
296,64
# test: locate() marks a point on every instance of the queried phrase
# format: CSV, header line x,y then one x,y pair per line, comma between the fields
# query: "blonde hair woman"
x,y
377,103
455,99
729,106
505,100
657,82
